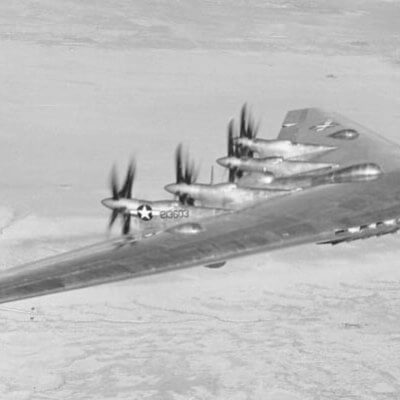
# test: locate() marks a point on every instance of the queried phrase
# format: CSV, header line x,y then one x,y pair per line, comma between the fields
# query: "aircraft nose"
x,y
242,141
172,188
107,203
224,161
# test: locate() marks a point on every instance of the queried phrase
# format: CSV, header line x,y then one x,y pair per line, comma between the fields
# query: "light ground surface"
x,y
83,86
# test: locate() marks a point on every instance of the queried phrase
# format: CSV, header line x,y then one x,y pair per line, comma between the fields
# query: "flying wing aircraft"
x,y
321,213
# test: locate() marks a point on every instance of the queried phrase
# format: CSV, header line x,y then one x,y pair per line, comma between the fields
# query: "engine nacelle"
x,y
355,173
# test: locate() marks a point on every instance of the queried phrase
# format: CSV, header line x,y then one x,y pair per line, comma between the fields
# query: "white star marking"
x,y
144,212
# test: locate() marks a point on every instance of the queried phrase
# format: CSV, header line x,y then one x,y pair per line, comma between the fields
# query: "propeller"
x,y
186,172
125,192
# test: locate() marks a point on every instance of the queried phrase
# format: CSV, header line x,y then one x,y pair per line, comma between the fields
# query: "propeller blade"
x,y
252,128
178,164
131,179
243,116
182,198
249,127
238,151
194,173
250,134
113,217
187,171
234,149
231,147
256,129
126,227
232,175
191,172
190,201
114,183
126,190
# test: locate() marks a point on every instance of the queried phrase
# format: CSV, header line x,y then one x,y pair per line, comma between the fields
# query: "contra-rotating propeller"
x,y
125,192
186,172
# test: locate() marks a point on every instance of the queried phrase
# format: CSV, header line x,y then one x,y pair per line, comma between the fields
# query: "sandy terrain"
x,y
84,86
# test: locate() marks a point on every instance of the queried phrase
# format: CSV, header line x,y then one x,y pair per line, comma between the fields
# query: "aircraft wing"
x,y
323,214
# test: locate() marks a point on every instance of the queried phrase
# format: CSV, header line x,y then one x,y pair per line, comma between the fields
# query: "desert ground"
x,y
87,84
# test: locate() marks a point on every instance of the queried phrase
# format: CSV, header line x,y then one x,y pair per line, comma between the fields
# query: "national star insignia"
x,y
321,127
144,212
